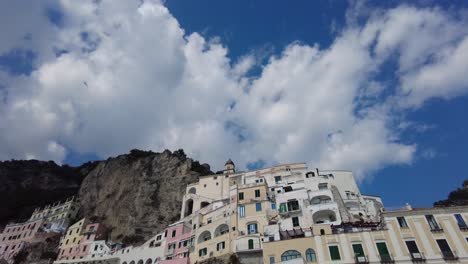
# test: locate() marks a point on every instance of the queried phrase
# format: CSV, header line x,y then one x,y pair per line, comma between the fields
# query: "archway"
x,y
221,230
188,207
324,216
205,236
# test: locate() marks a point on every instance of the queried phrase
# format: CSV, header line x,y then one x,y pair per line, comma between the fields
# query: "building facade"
x,y
292,214
433,235
51,220
83,240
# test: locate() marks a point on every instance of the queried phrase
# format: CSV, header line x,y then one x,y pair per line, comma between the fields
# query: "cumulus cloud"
x,y
125,75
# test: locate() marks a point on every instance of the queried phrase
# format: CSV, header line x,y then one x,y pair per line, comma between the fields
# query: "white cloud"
x,y
132,78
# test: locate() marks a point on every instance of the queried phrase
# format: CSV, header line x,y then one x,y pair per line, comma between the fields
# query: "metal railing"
x,y
386,258
449,255
417,257
361,259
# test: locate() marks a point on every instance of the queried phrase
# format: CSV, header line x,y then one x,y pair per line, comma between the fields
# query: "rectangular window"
x,y
283,208
358,251
293,205
241,196
445,249
252,228
295,221
277,179
334,253
383,252
258,207
257,193
461,222
323,186
273,206
241,211
272,259
95,247
174,233
84,248
432,222
402,222
220,246
413,249
202,252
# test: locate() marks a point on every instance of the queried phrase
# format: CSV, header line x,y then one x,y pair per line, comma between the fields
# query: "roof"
x,y
229,161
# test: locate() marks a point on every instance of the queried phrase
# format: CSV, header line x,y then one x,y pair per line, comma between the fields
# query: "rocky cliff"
x,y
138,194
29,184
135,195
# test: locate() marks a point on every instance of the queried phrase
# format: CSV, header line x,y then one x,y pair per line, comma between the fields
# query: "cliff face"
x,y
137,195
29,184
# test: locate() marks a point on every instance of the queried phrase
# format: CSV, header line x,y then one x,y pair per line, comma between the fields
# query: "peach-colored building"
x,y
79,240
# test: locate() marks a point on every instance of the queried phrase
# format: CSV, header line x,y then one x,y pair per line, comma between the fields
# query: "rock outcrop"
x,y
137,195
457,197
32,183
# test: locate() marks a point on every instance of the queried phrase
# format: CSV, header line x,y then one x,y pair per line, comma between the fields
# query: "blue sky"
x,y
247,26
376,88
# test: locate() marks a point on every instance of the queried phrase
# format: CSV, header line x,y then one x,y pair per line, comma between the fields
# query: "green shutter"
x,y
334,252
358,250
251,244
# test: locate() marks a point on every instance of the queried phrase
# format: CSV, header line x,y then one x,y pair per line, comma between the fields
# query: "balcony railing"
x,y
417,257
386,259
360,260
437,229
450,255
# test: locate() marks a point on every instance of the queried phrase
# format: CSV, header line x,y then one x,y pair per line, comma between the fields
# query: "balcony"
x,y
437,229
361,260
289,208
449,255
248,244
386,259
417,257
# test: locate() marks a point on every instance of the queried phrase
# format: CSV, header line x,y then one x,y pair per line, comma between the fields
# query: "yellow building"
x,y
70,243
432,235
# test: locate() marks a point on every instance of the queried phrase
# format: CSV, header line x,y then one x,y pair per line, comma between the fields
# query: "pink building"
x,y
17,236
178,241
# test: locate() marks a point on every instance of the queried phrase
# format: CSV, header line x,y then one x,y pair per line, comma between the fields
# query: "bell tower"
x,y
229,167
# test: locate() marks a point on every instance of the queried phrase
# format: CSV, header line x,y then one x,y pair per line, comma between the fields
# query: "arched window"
x,y
221,230
132,262
192,190
124,262
310,255
140,261
251,243
148,261
204,236
290,254
188,207
322,232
